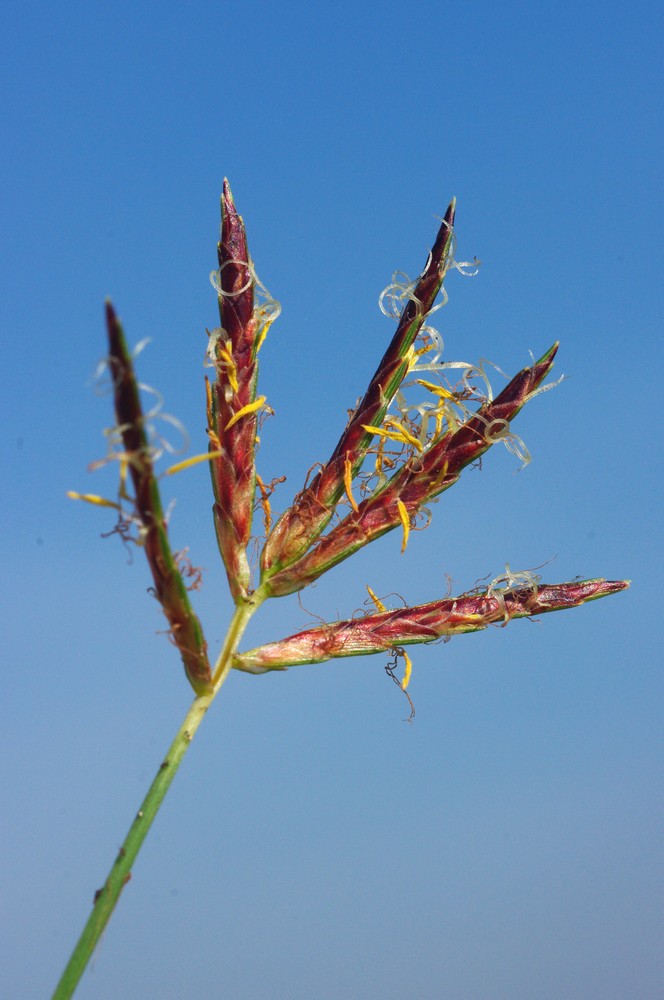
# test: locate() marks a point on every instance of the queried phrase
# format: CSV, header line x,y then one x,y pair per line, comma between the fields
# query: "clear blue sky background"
x,y
314,846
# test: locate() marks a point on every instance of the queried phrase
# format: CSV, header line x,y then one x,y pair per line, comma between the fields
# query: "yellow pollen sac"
x,y
214,440
267,515
407,671
348,479
379,457
246,410
94,499
231,368
440,478
265,503
378,603
405,521
408,437
262,335
208,401
188,462
401,435
124,466
438,390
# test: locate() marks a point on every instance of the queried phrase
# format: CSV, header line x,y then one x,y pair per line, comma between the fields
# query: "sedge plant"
x,y
420,423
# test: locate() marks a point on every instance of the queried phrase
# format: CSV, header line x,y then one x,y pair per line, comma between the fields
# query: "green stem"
x,y
107,897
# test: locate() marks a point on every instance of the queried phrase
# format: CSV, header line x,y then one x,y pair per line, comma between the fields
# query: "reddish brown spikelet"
x,y
234,472
169,586
422,623
418,481
303,522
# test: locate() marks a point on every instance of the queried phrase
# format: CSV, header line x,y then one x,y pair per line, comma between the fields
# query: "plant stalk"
x,y
107,897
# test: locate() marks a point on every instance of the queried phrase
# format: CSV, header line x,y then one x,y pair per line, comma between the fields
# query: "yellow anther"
x,y
377,602
401,435
381,432
265,503
405,522
246,410
208,401
438,390
379,457
94,499
214,440
188,462
348,480
442,475
407,670
268,515
124,467
408,437
262,335
231,368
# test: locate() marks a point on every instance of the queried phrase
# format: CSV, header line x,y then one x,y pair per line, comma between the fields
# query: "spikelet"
x,y
169,586
299,527
416,481
233,407
389,630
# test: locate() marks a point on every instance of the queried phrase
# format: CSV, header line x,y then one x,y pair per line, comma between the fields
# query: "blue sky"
x,y
313,845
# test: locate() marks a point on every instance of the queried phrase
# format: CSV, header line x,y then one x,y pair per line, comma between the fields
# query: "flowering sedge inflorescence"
x,y
394,457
